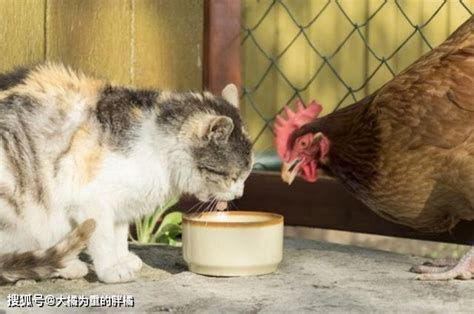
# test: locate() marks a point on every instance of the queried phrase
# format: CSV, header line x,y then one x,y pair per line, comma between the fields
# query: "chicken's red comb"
x,y
284,128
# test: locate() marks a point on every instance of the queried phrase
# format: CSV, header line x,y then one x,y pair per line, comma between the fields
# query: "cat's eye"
x,y
214,171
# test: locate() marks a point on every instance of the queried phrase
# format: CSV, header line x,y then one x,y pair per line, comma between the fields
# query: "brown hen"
x,y
406,151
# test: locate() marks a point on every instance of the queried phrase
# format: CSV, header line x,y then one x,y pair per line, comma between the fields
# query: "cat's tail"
x,y
61,260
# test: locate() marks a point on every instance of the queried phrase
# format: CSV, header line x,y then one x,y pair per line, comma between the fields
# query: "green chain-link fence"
x,y
334,51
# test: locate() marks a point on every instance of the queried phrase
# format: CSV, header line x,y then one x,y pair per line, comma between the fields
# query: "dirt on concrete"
x,y
313,277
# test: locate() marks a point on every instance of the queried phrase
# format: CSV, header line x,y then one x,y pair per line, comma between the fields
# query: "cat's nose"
x,y
238,194
237,189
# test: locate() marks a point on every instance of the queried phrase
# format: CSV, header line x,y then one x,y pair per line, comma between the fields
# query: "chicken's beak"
x,y
290,170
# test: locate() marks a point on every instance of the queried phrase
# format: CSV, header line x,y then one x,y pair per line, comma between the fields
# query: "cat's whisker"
x,y
233,204
201,209
212,204
190,210
197,209
206,209
193,207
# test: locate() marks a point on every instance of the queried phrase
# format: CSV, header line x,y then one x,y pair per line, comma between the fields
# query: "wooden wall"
x,y
353,62
147,43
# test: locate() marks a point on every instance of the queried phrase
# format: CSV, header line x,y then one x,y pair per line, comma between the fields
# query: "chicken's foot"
x,y
436,266
447,269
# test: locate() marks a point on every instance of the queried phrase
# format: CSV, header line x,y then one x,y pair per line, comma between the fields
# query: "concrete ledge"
x,y
314,276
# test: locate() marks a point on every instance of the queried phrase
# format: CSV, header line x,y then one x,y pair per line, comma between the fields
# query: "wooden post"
x,y
221,44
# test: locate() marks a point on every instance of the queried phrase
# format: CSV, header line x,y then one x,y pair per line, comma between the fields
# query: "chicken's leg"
x,y
464,269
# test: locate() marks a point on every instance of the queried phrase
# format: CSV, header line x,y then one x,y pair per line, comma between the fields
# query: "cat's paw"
x,y
74,269
117,273
122,271
133,261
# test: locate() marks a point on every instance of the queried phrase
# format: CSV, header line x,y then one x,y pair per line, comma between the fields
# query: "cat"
x,y
80,159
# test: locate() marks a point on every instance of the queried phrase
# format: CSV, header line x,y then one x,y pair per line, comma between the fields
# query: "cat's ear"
x,y
231,94
219,129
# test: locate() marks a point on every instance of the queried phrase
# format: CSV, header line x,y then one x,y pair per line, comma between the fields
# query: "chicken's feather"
x,y
432,102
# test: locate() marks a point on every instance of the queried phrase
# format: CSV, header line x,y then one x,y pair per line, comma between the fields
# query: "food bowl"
x,y
233,243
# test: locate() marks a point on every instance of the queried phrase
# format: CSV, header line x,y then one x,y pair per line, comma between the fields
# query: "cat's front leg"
x,y
109,265
121,242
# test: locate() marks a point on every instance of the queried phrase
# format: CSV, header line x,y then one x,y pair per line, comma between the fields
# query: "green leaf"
x,y
169,229
174,218
145,227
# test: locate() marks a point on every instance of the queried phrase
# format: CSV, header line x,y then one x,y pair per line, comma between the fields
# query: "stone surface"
x,y
314,276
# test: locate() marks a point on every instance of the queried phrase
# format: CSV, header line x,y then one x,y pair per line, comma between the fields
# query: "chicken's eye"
x,y
303,144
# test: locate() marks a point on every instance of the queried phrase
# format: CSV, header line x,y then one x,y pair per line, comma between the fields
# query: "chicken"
x,y
406,151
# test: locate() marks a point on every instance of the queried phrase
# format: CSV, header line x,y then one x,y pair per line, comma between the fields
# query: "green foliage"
x,y
168,231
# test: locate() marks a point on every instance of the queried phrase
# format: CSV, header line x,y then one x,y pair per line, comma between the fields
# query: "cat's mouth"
x,y
222,205
217,203
219,199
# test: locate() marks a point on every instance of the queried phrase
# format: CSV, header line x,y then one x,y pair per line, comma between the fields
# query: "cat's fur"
x,y
75,148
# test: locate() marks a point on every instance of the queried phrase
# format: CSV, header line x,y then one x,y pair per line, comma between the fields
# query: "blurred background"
x,y
146,43
336,52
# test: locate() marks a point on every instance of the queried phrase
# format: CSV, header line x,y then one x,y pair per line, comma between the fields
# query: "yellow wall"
x,y
158,43
354,63
147,43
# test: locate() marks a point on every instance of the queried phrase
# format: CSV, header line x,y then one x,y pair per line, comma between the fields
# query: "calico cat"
x,y
78,154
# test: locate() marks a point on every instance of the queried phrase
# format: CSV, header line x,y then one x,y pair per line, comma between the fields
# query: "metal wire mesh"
x,y
305,35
